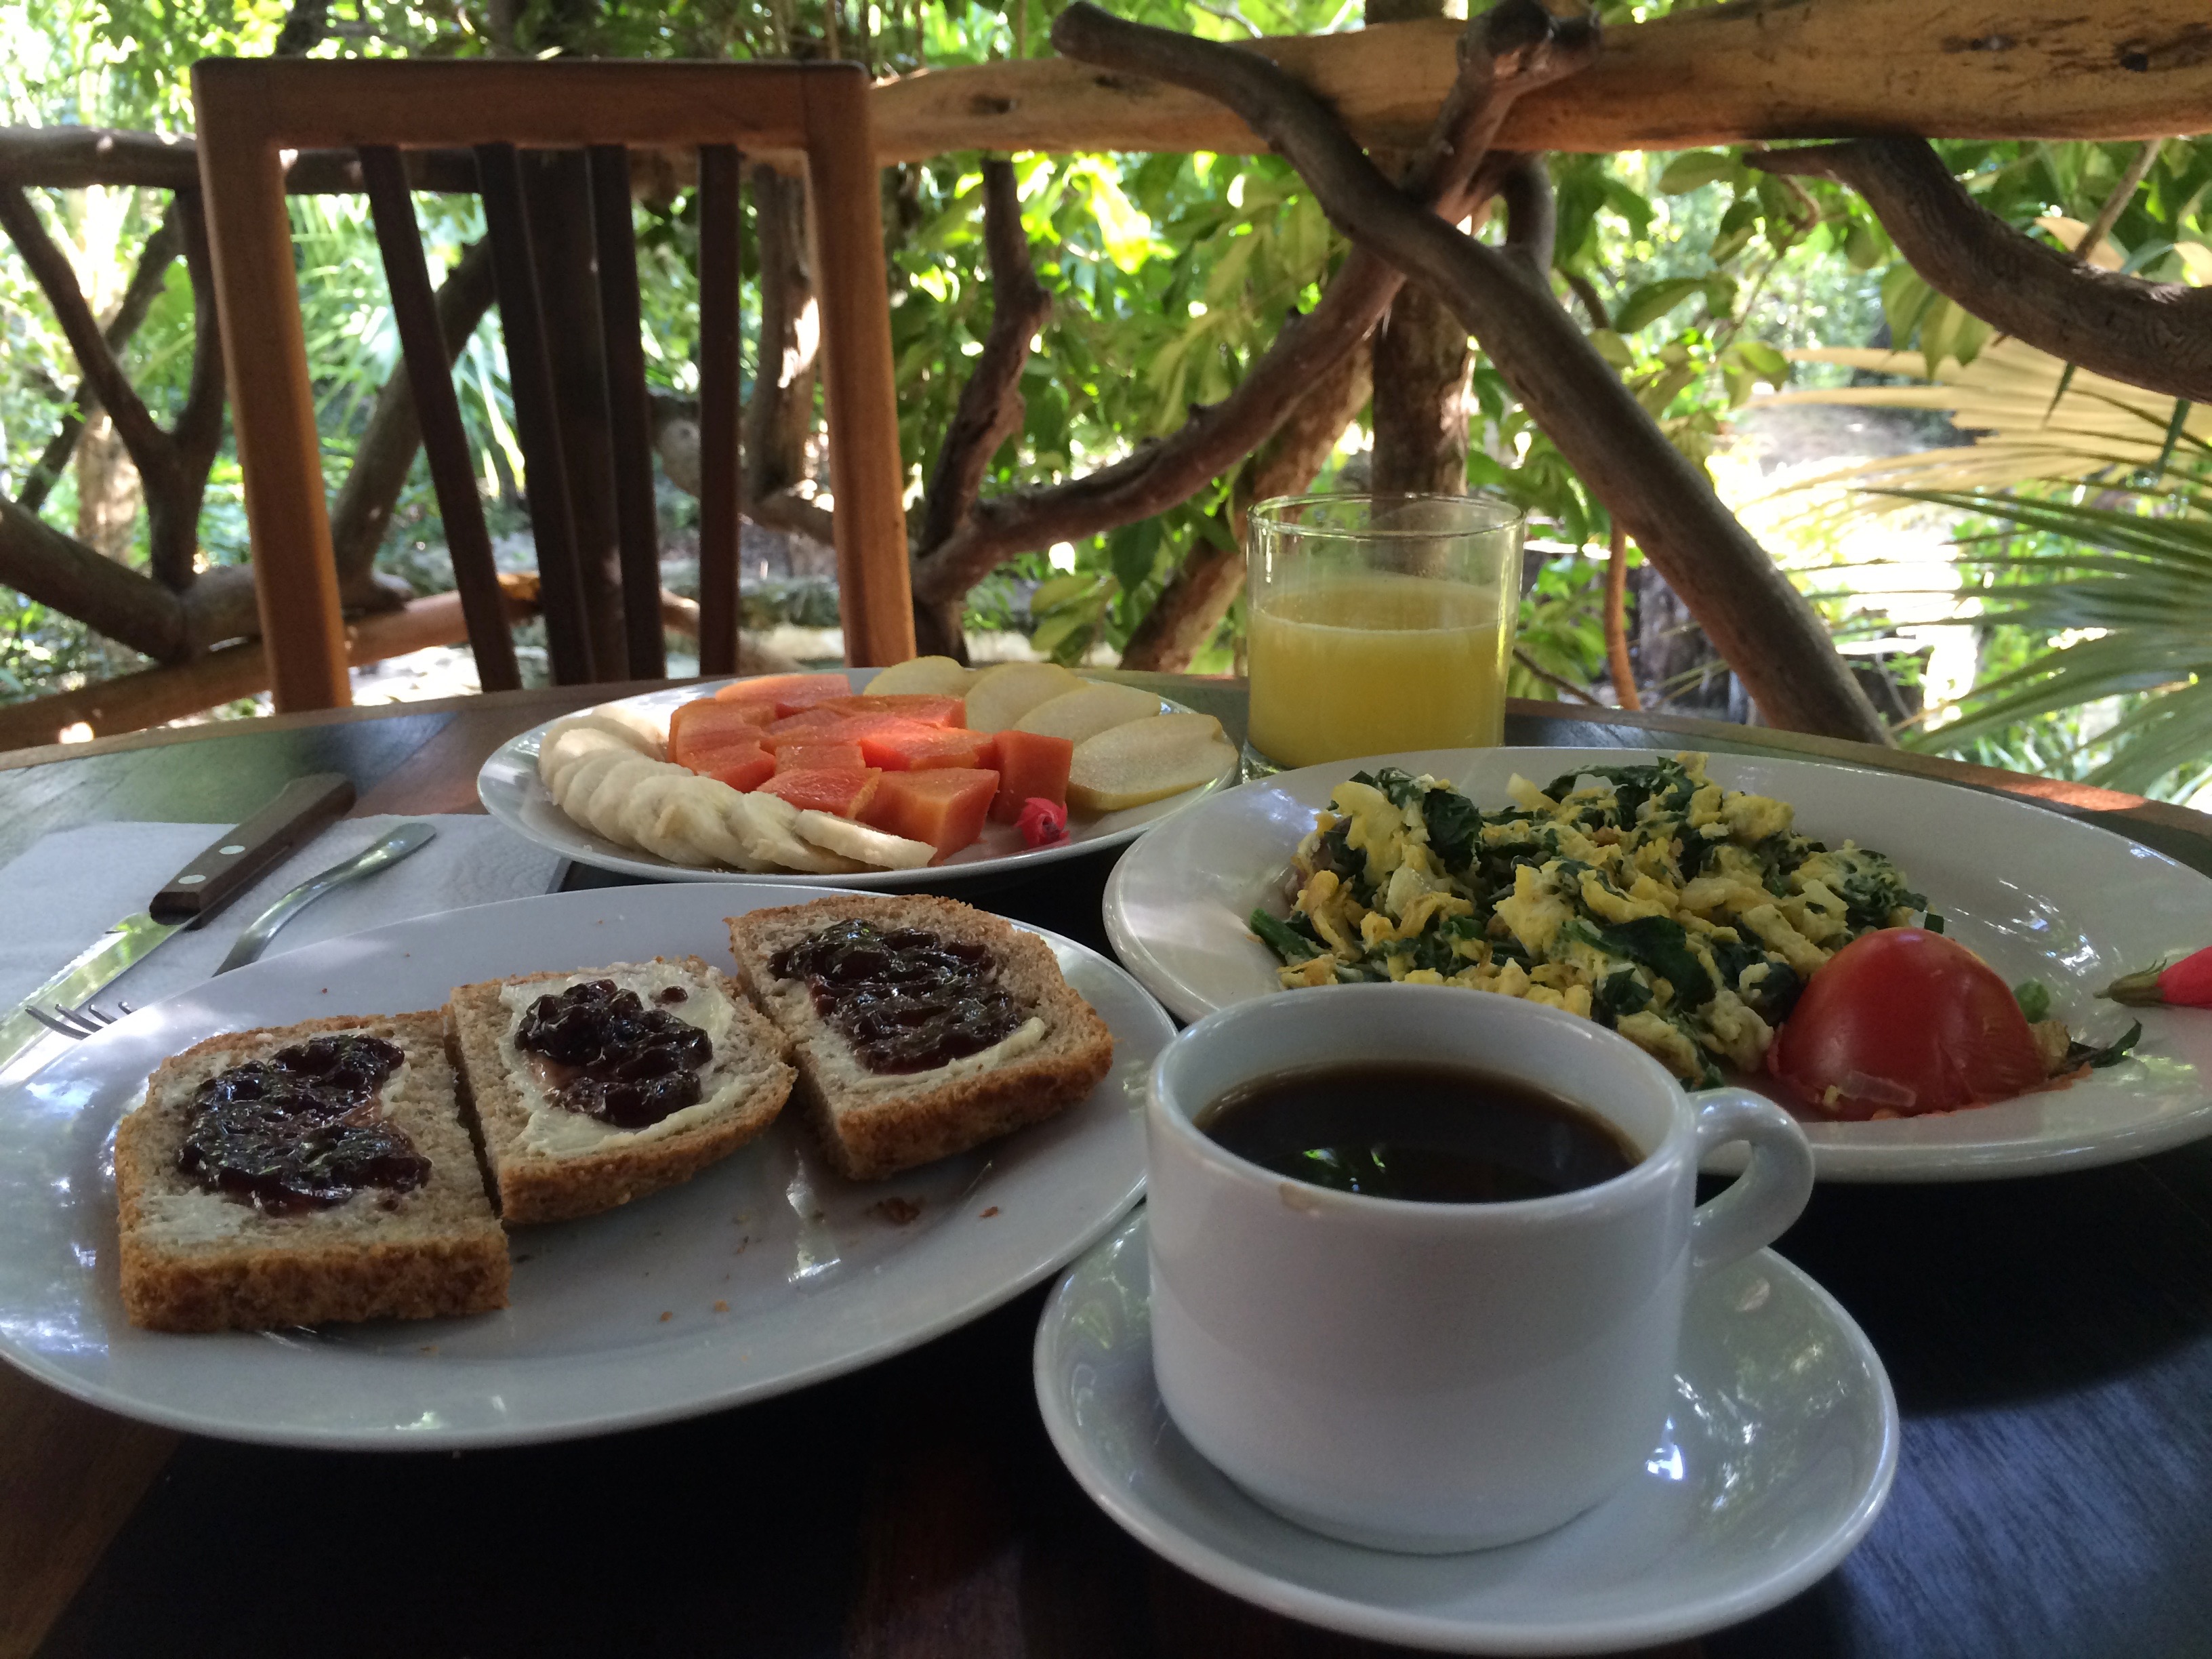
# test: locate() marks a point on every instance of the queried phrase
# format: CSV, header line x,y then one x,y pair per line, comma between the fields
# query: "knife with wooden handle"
x,y
233,862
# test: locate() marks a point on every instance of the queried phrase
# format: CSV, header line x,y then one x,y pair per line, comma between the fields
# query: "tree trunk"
x,y
779,417
106,490
1421,359
1422,364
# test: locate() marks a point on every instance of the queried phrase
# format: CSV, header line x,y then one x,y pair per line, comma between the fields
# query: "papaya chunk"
x,y
787,693
1031,764
742,768
945,806
844,792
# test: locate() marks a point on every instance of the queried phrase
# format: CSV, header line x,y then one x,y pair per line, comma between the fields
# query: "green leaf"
x,y
1649,303
2173,430
1615,350
1762,359
1052,594
1060,630
1862,246
1693,169
1131,551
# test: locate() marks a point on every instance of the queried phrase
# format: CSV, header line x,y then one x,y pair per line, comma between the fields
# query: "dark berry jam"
x,y
611,1057
905,1000
302,1130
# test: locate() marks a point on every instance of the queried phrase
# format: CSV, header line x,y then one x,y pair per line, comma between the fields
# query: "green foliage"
x,y
1562,626
1169,275
2110,591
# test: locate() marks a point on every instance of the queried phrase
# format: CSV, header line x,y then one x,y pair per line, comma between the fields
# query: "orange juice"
x,y
1370,663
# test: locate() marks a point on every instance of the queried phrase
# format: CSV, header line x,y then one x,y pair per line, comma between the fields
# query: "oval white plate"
x,y
763,1274
2039,896
1777,1457
509,787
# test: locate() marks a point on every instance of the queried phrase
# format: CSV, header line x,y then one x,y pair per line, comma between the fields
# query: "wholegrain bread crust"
x,y
539,1187
871,1127
433,1252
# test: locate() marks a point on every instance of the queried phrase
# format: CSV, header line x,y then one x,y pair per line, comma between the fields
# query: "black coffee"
x,y
1440,1134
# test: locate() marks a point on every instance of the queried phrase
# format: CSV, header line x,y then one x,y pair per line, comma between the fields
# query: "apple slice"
x,y
1001,695
929,676
1092,708
1145,760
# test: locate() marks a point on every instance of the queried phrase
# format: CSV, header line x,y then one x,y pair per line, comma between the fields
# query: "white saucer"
x,y
1777,1458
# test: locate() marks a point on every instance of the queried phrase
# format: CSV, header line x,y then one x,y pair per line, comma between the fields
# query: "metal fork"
x,y
78,1022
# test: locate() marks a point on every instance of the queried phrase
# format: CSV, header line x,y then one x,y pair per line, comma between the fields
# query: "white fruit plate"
x,y
509,787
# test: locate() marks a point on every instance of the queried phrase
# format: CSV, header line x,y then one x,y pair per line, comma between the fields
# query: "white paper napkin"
x,y
73,884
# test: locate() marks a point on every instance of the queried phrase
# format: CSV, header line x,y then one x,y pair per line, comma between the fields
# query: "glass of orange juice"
x,y
1379,623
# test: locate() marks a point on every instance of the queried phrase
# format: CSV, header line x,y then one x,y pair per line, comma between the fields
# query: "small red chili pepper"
x,y
2183,984
1041,822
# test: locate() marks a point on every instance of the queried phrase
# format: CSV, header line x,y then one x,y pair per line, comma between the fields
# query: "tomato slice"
x,y
1903,1021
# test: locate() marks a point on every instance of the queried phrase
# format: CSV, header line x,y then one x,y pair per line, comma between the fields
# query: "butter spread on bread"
x,y
195,1259
1045,1049
556,1130
550,1162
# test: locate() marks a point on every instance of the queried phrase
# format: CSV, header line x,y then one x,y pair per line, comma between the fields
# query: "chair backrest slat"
x,y
438,412
537,426
721,367
851,284
575,346
629,412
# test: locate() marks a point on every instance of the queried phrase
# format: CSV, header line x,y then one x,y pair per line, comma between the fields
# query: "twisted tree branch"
x,y
173,496
57,570
57,278
1764,628
1507,51
2154,335
990,408
147,281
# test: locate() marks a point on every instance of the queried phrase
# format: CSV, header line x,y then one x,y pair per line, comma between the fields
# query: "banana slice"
x,y
576,780
623,726
768,825
603,809
643,817
567,747
857,840
695,811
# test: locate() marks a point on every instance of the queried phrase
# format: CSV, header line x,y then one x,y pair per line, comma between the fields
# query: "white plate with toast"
x,y
765,1272
512,791
2037,894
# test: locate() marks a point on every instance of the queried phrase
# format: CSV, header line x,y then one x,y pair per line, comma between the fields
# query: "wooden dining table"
x,y
2050,1340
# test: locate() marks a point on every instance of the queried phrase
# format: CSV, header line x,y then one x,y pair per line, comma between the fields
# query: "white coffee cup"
x,y
1430,1377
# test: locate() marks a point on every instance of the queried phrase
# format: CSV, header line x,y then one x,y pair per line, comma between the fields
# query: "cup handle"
x,y
1767,1196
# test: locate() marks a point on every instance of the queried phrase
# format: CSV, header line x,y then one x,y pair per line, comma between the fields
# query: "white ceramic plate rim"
x,y
508,786
1776,1585
2107,1118
622,1388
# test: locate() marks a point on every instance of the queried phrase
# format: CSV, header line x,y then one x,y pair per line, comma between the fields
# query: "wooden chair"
x,y
814,114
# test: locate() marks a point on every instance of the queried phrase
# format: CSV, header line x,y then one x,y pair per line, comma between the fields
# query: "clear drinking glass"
x,y
1379,622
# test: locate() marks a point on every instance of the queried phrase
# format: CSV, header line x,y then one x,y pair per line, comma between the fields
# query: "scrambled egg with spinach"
x,y
1647,898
